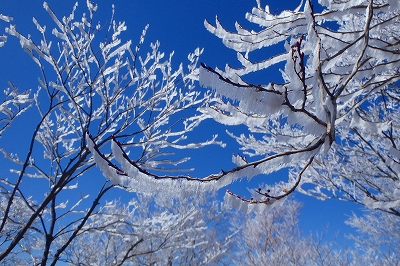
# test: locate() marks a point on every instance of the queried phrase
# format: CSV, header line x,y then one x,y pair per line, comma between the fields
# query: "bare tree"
x,y
92,81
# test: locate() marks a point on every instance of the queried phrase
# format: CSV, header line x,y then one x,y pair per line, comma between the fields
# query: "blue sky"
x,y
178,25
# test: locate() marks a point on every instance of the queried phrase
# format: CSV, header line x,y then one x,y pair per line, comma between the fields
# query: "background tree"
x,y
274,236
377,237
144,233
92,81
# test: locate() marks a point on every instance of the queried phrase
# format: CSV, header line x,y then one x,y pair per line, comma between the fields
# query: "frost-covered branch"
x,y
337,102
13,105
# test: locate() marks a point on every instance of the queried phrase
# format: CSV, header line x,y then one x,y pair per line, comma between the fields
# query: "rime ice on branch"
x,y
334,120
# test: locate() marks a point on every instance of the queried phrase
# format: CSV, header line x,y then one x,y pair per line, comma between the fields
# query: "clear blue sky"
x,y
178,25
